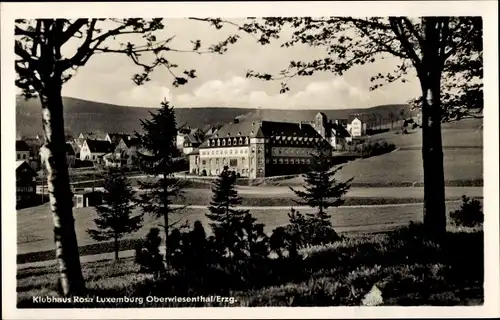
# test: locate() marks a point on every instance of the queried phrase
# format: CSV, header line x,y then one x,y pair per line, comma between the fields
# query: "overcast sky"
x,y
221,79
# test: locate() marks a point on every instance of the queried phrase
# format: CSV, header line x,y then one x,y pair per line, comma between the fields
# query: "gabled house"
x,y
25,183
124,153
332,131
115,138
94,150
191,142
357,127
183,134
92,136
22,150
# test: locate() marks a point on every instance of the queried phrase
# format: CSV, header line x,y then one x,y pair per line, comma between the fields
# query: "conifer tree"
x,y
157,159
226,219
321,189
115,219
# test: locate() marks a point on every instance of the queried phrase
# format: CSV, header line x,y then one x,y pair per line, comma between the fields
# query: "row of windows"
x,y
226,152
290,151
24,156
228,142
291,161
25,189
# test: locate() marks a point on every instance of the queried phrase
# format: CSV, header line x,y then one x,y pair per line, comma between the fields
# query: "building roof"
x,y
93,135
69,149
340,131
99,146
21,164
131,142
21,145
261,129
194,138
116,137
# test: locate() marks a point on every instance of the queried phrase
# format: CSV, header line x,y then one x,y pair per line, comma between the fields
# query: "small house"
x,y
94,150
25,183
22,150
82,198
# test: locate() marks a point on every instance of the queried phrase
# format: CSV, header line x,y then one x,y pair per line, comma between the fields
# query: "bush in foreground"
x,y
469,214
408,271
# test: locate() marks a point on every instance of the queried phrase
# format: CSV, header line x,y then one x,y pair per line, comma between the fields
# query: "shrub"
x,y
469,214
147,253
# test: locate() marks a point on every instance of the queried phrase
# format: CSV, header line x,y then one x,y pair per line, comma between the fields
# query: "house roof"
x,y
23,164
93,135
116,137
194,138
130,142
261,129
99,146
69,149
340,131
21,145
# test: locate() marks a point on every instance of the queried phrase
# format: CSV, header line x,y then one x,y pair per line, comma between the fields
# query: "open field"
x,y
35,230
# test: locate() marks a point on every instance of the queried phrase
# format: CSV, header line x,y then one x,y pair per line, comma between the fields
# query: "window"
x,y
253,150
292,161
229,142
212,153
243,160
213,143
231,151
223,142
286,160
218,142
217,152
18,156
275,161
235,141
240,141
225,151
303,161
233,162
203,162
217,161
93,157
261,161
308,161
281,160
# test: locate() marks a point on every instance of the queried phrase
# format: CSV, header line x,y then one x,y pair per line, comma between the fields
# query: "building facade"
x,y
22,151
25,183
333,131
94,150
257,149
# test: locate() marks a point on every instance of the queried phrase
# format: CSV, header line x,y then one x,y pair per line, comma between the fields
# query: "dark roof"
x,y
25,167
116,137
340,131
194,138
99,146
261,129
93,135
130,142
21,145
69,149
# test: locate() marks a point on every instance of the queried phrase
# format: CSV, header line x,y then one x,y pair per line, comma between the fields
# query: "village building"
x,y
334,131
94,150
124,153
191,142
22,150
25,183
115,138
256,149
357,127
184,133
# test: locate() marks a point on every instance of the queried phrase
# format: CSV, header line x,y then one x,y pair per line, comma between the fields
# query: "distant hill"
x,y
89,116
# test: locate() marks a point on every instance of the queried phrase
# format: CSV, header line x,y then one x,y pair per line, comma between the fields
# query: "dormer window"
x,y
213,143
223,142
229,142
218,142
246,140
240,141
235,141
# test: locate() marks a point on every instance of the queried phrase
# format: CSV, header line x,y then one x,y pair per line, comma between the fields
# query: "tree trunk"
x,y
432,156
432,147
60,196
117,249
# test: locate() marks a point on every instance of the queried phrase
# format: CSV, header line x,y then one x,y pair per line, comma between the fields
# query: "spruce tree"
x,y
226,219
115,219
158,141
321,189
